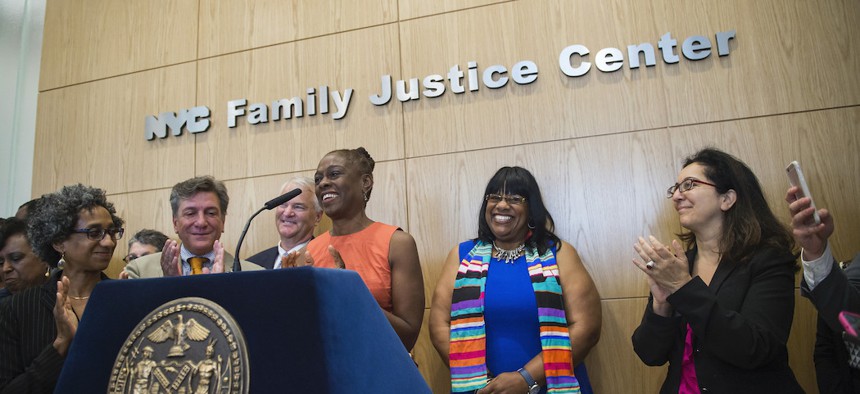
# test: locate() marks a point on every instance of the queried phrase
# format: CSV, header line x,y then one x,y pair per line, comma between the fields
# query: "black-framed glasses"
x,y
129,257
98,234
511,199
685,185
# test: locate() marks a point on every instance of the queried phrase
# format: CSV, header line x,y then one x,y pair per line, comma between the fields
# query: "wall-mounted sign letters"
x,y
573,61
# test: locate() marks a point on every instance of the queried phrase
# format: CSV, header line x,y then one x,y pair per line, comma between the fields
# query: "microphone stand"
x,y
271,204
237,267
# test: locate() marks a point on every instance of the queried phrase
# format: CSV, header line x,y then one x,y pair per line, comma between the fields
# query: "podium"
x,y
307,330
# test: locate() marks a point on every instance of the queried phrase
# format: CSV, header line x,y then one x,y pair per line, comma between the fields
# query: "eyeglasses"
x,y
685,185
510,199
98,234
130,257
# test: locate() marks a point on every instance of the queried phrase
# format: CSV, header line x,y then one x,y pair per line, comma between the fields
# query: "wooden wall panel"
x,y
551,108
236,25
149,209
93,133
801,343
86,40
613,366
600,212
410,9
388,203
432,367
788,56
349,60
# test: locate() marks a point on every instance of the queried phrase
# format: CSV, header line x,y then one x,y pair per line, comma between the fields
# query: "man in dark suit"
x,y
199,209
830,289
295,221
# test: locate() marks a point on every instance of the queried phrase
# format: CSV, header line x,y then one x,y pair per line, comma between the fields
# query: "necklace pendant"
x,y
508,256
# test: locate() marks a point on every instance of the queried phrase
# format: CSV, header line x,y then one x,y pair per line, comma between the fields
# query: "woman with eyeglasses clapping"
x,y
75,229
721,305
515,310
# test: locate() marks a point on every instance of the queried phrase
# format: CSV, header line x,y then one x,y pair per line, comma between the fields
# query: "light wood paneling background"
x,y
236,25
410,9
85,40
603,146
93,133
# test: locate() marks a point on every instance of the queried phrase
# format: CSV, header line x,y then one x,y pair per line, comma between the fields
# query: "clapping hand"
x,y
667,270
296,259
64,317
338,261
218,263
170,263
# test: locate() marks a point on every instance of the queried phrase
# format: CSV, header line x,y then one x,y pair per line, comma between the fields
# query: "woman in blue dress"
x,y
515,309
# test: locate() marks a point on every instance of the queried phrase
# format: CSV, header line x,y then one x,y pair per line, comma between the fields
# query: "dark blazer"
x,y
28,361
837,292
741,323
149,266
266,258
4,295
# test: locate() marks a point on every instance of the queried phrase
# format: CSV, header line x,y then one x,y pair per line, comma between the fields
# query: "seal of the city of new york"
x,y
186,346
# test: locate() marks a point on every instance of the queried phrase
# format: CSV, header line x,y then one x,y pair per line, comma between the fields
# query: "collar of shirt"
x,y
184,254
283,252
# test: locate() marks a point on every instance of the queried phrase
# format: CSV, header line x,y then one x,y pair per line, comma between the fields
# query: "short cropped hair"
x,y
57,215
149,237
188,188
303,183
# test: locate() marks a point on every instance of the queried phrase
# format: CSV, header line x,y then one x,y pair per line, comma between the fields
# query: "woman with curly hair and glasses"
x,y
75,229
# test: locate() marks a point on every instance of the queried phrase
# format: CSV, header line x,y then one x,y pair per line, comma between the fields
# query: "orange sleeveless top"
x,y
365,252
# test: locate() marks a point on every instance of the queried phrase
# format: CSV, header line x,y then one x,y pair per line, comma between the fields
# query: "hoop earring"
x,y
531,226
62,262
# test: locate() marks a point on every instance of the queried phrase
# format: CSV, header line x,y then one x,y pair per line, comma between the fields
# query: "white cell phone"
x,y
795,178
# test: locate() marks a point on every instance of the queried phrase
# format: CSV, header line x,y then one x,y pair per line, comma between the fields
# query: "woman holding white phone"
x,y
721,306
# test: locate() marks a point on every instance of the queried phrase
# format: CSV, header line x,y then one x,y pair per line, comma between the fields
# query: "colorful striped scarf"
x,y
468,349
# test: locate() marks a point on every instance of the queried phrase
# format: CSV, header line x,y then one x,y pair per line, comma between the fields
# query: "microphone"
x,y
269,205
282,198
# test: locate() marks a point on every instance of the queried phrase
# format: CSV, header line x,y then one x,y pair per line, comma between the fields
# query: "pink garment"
x,y
689,382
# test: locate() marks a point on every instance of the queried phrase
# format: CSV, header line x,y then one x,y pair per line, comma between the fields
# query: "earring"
x,y
48,271
365,196
531,226
62,262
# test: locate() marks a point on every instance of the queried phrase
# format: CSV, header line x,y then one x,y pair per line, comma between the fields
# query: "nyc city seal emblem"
x,y
186,346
